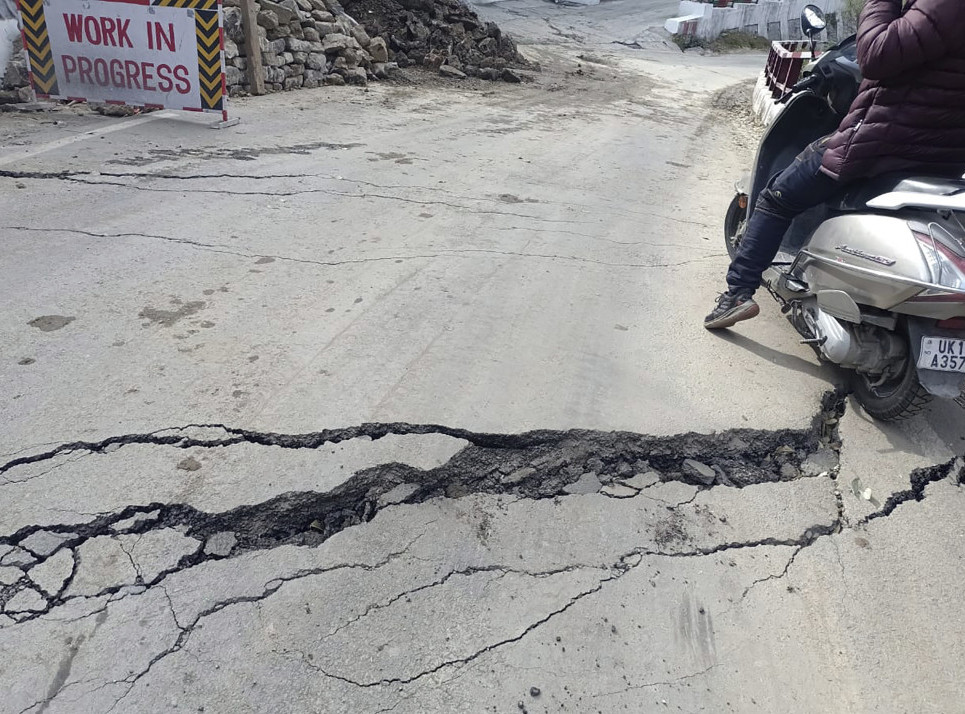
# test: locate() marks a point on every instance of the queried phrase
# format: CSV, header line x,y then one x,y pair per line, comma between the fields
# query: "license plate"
x,y
942,354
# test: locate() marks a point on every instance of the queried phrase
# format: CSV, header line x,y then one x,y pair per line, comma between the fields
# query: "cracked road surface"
x,y
398,400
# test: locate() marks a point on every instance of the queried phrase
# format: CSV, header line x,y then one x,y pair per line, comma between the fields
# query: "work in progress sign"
x,y
154,53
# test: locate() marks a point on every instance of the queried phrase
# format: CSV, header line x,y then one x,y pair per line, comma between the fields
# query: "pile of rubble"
x,y
305,43
444,35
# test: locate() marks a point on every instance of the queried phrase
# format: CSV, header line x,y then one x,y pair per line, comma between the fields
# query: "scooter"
x,y
874,280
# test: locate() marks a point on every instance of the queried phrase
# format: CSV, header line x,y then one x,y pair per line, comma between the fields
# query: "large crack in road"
x,y
536,466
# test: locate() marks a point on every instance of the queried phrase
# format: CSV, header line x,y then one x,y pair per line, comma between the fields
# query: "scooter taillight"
x,y
947,268
954,323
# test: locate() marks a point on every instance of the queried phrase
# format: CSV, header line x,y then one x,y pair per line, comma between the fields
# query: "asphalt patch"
x,y
50,323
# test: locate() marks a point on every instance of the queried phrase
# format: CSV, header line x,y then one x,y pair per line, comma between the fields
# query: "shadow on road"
x,y
826,373
948,421
946,418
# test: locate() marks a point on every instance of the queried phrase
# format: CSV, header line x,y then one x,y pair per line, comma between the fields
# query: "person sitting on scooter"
x,y
909,115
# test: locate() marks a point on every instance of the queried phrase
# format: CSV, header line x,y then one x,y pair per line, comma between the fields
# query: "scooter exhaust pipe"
x,y
864,348
837,344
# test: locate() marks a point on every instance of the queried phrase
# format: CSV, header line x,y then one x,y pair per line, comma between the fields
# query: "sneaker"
x,y
732,308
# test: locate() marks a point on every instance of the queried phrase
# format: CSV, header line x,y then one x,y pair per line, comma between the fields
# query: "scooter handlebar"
x,y
801,86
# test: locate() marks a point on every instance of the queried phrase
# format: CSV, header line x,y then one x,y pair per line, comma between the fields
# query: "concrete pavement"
x,y
374,403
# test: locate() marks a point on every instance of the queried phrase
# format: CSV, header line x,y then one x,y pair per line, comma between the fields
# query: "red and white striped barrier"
x,y
784,63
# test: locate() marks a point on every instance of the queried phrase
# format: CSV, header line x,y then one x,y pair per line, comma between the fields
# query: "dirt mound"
x,y
736,105
437,33
736,98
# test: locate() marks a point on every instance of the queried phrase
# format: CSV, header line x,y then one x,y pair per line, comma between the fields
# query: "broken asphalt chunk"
x,y
820,462
134,521
9,574
587,483
397,495
220,544
789,472
616,490
43,543
27,600
642,480
701,472
103,564
17,556
51,574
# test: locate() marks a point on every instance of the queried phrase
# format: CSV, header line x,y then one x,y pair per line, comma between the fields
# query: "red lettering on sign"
x,y
147,75
117,73
100,30
133,71
156,36
126,74
164,82
181,79
123,39
70,66
84,68
92,28
74,24
107,27
101,75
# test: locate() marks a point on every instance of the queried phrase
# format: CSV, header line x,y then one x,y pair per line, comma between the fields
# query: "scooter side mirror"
x,y
812,21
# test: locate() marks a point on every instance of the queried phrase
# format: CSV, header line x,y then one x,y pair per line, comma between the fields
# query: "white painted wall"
x,y
675,24
755,17
766,108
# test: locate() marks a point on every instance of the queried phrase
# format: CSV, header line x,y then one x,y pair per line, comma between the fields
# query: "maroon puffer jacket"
x,y
910,111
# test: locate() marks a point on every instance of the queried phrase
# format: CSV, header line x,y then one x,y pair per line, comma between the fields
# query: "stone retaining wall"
x,y
303,43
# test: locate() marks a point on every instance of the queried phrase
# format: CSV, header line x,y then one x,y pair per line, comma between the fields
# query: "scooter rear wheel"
x,y
732,225
898,398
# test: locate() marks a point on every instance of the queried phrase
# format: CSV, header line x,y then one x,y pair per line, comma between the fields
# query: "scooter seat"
x,y
856,197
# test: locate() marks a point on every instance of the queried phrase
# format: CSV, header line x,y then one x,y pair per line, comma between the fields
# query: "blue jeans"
x,y
801,186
